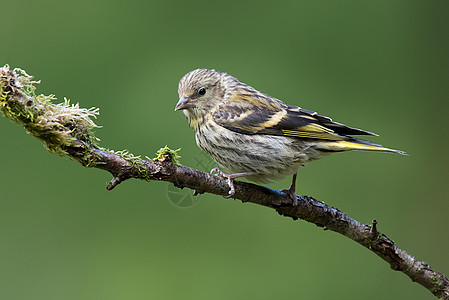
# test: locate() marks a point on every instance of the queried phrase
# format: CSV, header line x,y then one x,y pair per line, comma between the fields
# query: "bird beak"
x,y
184,103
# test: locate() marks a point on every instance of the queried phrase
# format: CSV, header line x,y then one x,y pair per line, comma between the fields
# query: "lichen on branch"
x,y
65,128
58,126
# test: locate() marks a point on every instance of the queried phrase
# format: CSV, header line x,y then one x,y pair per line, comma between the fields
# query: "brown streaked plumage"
x,y
256,136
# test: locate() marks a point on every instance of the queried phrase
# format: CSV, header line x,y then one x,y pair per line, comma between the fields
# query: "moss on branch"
x,y
58,126
63,128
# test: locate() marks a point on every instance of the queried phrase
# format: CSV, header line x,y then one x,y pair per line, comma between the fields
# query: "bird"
x,y
256,136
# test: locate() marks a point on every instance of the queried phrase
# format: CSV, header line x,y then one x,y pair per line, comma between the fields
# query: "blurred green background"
x,y
377,65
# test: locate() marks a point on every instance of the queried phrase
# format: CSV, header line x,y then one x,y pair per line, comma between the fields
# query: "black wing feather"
x,y
338,128
261,114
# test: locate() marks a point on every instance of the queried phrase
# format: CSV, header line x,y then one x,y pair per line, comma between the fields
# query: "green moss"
x,y
124,154
61,127
166,152
58,126
436,284
135,161
89,158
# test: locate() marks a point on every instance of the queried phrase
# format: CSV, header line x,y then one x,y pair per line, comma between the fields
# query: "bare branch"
x,y
66,129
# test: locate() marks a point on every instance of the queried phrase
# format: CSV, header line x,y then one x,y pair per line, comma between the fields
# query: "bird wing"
x,y
256,113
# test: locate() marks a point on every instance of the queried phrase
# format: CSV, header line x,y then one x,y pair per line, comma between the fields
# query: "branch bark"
x,y
67,131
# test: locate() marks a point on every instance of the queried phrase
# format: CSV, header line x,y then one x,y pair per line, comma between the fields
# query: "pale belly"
x,y
271,157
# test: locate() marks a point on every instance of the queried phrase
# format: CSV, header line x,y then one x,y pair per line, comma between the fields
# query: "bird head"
x,y
201,90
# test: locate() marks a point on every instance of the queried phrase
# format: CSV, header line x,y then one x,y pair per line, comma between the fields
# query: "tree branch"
x,y
67,130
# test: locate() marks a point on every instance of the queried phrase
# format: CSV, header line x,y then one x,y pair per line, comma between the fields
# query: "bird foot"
x,y
291,191
291,194
230,179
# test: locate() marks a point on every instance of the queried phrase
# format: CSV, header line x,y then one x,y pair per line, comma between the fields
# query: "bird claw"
x,y
230,179
218,171
291,194
291,191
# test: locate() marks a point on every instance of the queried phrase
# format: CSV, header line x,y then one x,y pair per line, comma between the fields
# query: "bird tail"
x,y
356,144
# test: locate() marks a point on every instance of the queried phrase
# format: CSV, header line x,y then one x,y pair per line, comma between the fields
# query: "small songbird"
x,y
253,135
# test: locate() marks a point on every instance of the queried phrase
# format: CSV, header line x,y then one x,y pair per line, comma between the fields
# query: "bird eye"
x,y
201,91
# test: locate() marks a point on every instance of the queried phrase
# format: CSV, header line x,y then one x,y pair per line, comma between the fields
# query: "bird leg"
x,y
230,178
291,191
